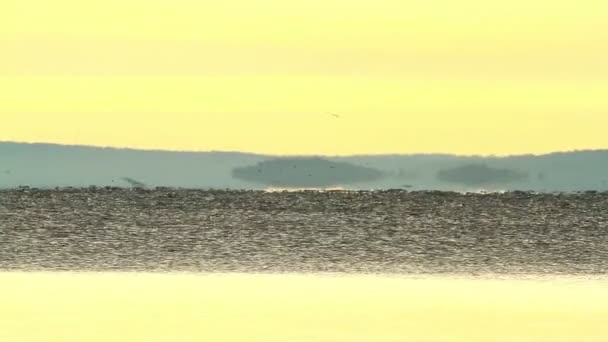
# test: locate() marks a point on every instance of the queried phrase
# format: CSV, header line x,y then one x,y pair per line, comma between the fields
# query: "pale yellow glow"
x,y
467,77
58,307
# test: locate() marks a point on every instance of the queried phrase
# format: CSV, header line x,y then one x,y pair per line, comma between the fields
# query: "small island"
x,y
306,172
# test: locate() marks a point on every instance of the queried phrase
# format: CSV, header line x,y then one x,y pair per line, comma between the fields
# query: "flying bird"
x,y
334,115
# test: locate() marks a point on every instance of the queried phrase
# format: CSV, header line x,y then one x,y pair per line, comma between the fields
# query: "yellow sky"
x,y
466,76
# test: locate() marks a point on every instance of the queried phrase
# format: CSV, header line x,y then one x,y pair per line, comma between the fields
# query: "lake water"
x,y
66,307
106,265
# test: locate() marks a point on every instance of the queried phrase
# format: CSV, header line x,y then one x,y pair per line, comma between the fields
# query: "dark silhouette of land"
x,y
306,172
48,166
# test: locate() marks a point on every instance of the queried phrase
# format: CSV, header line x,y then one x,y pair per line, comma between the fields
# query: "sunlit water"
x,y
67,307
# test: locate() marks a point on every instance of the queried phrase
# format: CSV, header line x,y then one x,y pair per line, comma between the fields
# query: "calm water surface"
x,y
67,307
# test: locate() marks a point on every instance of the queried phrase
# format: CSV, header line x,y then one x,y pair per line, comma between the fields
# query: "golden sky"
x,y
456,76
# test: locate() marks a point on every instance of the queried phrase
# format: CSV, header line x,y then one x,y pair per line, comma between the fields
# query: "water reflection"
x,y
294,307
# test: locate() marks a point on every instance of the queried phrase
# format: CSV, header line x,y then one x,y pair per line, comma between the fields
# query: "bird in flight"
x,y
334,115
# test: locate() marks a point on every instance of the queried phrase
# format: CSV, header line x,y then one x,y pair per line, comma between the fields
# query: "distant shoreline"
x,y
322,155
50,166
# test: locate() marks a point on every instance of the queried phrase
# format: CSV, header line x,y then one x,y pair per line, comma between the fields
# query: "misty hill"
x,y
48,165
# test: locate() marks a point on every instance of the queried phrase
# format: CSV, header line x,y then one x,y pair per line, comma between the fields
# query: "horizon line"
x,y
139,149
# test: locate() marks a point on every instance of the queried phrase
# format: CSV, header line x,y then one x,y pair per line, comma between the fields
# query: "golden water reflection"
x,y
67,307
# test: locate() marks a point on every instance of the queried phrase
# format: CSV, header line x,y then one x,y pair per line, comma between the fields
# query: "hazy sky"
x,y
459,76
